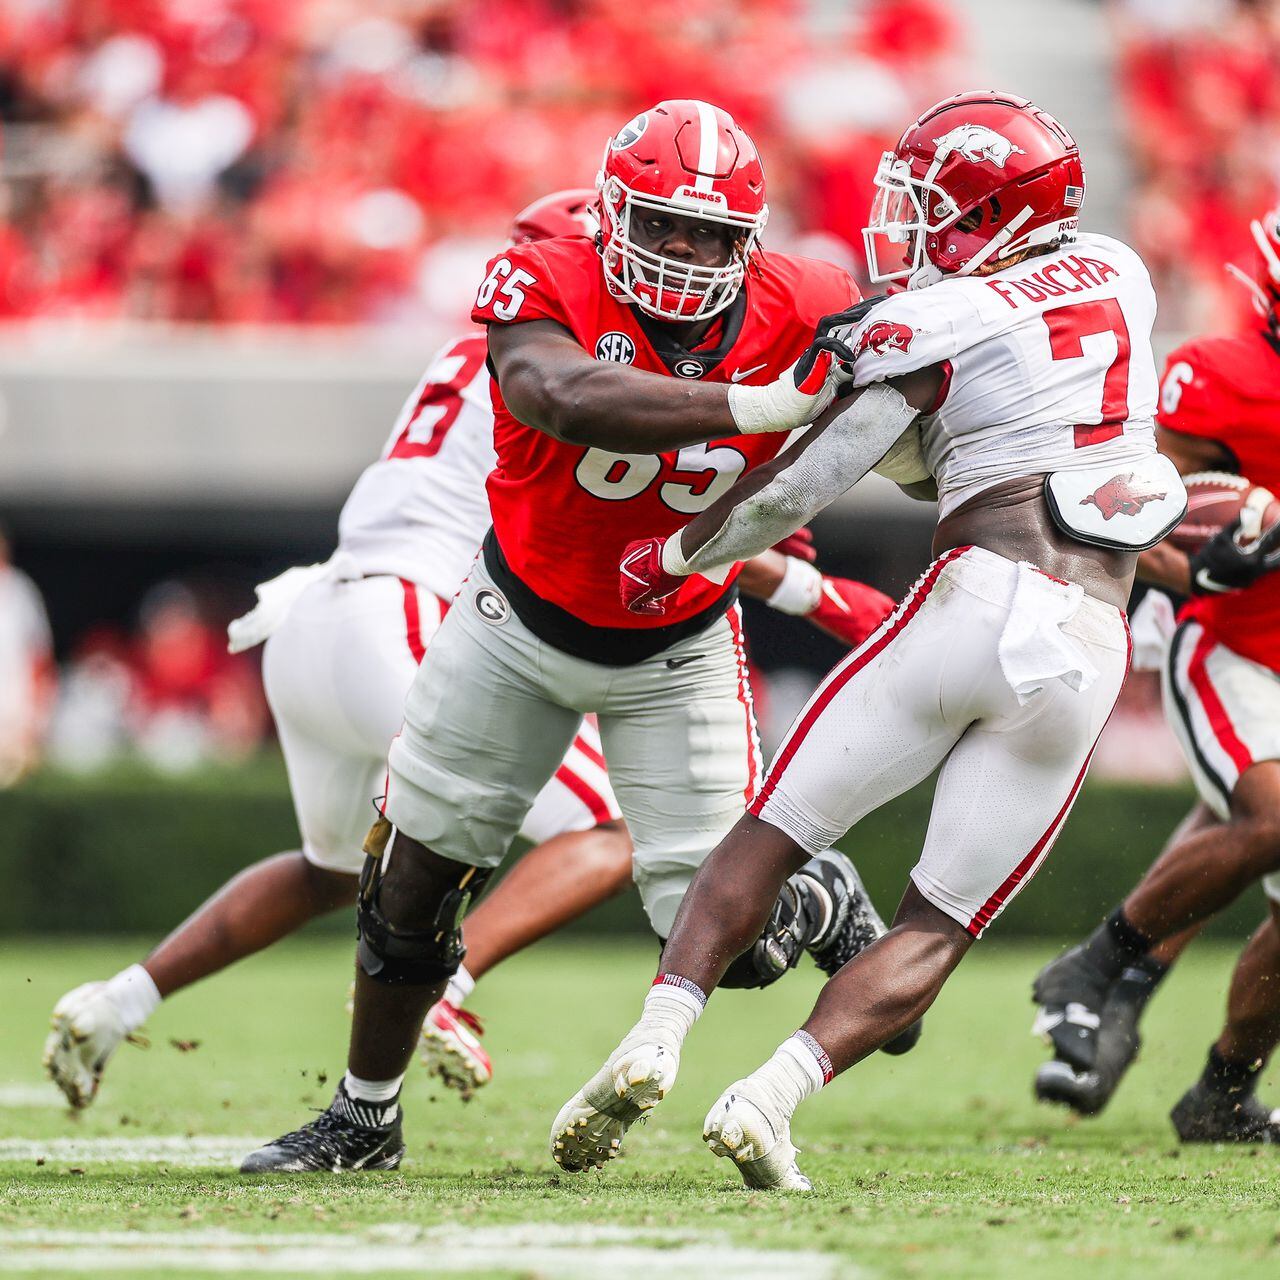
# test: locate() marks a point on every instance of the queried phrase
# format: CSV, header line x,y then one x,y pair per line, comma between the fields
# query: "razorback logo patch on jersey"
x,y
1122,496
976,143
885,335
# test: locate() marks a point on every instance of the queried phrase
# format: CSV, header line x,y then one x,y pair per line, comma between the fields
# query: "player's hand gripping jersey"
x,y
1048,368
1227,389
562,513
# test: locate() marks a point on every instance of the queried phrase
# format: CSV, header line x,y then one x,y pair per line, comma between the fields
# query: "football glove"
x,y
1223,564
798,545
809,386
643,583
850,610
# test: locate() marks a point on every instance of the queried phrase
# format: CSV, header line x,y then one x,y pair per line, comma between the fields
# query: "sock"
x,y
134,993
671,1008
461,985
1138,982
1115,944
372,1090
1222,1075
797,1070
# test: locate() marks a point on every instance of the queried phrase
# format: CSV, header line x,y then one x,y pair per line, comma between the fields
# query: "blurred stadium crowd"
x,y
352,162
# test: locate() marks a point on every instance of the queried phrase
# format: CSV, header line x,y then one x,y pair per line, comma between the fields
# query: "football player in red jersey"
x,y
635,377
1219,411
999,669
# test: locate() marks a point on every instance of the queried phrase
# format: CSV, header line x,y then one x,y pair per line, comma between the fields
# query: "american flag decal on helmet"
x,y
1073,197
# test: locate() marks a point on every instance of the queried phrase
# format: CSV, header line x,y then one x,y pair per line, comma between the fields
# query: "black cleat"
x,y
854,925
351,1136
1071,994
1207,1115
1116,1046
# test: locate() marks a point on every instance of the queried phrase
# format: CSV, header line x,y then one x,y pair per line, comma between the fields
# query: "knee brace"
x,y
394,955
779,947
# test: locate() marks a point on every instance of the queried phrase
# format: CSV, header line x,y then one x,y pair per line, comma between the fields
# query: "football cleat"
x,y
1117,1045
1208,1115
451,1048
349,1137
853,926
86,1029
747,1127
1071,994
588,1132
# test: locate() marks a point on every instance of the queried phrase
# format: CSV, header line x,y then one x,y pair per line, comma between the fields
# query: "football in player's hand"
x,y
1214,500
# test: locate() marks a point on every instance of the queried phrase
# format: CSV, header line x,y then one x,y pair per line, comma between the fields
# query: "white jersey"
x,y
420,512
1048,365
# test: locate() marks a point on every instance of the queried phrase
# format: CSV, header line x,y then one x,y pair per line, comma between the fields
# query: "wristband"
x,y
776,407
673,561
799,591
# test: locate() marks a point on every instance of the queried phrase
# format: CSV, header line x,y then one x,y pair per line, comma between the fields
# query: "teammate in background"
x,y
1219,411
408,535
27,677
1019,362
634,379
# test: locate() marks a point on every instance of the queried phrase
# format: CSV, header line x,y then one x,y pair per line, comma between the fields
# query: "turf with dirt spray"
x,y
938,1164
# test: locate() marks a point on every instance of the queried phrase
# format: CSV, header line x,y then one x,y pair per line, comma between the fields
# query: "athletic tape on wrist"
x,y
800,589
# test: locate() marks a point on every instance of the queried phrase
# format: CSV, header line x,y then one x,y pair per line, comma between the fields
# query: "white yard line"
x,y
22,1096
567,1252
179,1151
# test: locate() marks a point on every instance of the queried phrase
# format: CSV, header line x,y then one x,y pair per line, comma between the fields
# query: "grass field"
x,y
936,1165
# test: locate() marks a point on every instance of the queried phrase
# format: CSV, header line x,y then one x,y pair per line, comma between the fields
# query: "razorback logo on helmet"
x,y
885,335
976,142
1122,496
630,133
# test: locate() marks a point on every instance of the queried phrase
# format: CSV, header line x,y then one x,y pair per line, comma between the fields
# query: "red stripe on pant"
x,y
853,664
589,796
581,744
1026,868
744,697
412,620
1219,721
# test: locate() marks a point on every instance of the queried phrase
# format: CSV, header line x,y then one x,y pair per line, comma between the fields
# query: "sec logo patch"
x,y
492,606
615,346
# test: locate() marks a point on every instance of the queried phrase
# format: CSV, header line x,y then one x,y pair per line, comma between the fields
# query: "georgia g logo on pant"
x,y
492,606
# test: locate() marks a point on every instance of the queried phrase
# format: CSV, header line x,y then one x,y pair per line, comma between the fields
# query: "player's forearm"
x,y
1165,566
775,500
609,406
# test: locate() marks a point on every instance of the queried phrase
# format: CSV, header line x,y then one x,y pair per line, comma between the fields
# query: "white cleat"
x,y
744,1126
451,1048
589,1130
87,1029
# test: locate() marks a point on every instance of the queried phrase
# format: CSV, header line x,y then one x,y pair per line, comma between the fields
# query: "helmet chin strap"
x,y
997,242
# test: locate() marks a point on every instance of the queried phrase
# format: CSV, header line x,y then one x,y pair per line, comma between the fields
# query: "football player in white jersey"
x,y
1016,375
343,641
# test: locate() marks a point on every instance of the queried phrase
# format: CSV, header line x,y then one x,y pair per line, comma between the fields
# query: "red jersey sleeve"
x,y
517,287
1194,400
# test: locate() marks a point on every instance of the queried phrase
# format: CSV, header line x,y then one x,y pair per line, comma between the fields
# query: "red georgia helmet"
x,y
562,213
684,157
978,177
1264,281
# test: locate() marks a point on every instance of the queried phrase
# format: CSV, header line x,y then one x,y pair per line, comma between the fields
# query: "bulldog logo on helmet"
x,y
884,336
977,143
1122,496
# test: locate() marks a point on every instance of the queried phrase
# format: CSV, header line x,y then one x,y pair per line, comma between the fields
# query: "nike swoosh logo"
x,y
674,664
738,374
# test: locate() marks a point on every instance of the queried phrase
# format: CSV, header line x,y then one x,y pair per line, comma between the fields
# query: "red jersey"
x,y
1228,389
563,513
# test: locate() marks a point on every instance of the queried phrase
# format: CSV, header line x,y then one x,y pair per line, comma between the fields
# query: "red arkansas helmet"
x,y
1264,281
689,158
978,177
562,213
